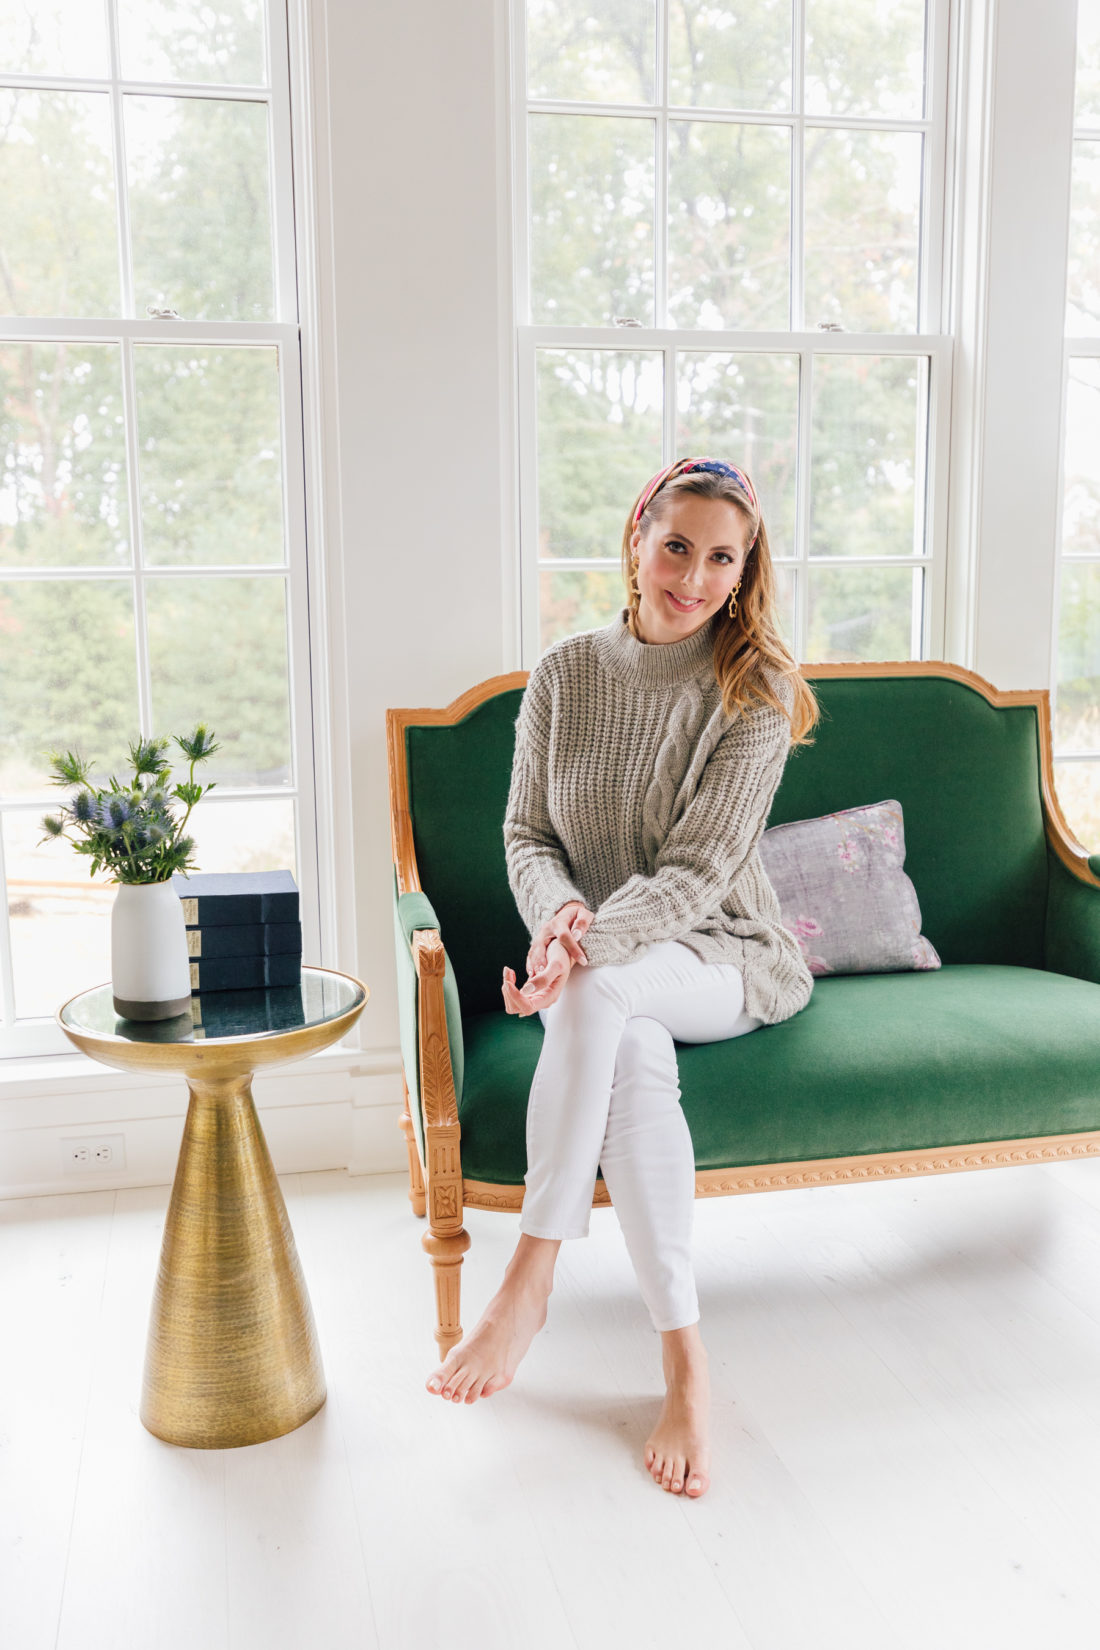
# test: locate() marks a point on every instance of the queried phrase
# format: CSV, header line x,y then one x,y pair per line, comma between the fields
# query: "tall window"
x,y
152,551
732,242
1076,687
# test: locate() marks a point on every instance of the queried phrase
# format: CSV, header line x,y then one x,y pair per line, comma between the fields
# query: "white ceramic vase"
x,y
150,966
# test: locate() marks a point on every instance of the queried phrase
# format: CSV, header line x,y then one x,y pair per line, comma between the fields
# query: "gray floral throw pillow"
x,y
843,893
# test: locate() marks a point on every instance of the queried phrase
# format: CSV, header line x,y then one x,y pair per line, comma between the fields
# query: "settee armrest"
x,y
1073,917
413,914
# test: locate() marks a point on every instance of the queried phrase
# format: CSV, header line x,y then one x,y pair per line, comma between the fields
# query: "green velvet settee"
x,y
992,1059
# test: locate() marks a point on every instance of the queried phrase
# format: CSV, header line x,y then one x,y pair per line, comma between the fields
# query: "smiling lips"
x,y
681,606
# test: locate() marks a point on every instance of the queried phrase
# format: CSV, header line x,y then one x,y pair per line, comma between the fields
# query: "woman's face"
x,y
696,551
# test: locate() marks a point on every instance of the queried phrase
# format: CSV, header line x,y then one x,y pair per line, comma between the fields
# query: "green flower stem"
x,y
190,805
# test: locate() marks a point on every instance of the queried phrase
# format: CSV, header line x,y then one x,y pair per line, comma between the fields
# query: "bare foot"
x,y
489,1356
677,1451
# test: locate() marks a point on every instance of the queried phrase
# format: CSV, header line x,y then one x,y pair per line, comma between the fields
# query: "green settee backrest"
x,y
967,775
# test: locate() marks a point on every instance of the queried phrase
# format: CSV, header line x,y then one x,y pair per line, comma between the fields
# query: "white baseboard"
x,y
323,1114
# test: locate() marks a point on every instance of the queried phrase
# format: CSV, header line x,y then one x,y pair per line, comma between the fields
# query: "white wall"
x,y
1019,286
421,320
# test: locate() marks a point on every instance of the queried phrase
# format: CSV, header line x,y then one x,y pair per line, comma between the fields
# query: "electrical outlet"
x,y
93,1152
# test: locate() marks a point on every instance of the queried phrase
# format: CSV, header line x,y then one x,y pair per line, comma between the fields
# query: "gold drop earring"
x,y
633,587
732,603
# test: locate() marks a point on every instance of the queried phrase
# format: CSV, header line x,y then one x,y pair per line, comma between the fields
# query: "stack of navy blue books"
x,y
244,929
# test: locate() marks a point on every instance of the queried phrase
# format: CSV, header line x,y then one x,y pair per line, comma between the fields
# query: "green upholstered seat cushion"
x,y
874,1063
965,772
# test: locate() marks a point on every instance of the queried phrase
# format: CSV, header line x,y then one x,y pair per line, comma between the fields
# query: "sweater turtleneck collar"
x,y
653,664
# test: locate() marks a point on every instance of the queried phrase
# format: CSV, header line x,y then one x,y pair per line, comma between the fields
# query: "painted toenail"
x,y
434,1383
695,1482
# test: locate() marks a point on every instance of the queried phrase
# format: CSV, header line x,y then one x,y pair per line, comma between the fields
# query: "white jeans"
x,y
606,1094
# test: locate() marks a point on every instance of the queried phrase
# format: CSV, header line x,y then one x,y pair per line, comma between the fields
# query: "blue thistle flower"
x,y
114,811
85,807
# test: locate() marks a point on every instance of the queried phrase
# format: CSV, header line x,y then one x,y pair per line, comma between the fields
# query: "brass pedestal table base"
x,y
232,1355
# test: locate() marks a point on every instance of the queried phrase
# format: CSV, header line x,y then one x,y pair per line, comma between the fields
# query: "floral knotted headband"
x,y
681,465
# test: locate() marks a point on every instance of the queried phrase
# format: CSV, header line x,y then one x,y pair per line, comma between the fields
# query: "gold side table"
x,y
232,1355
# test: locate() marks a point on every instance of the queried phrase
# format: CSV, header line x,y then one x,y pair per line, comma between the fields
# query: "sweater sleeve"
x,y
539,871
706,849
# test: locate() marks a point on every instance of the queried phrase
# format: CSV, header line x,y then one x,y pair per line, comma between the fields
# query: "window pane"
x,y
200,207
53,37
1088,63
218,654
60,917
586,53
182,40
60,238
870,417
1081,496
862,229
1078,788
725,57
786,579
865,57
67,678
573,601
1083,296
745,408
863,613
729,225
62,456
1077,705
207,501
599,441
244,836
592,193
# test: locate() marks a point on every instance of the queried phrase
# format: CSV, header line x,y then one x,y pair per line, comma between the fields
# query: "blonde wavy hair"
x,y
746,643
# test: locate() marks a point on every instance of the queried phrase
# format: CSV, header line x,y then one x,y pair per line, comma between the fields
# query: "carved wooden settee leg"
x,y
448,1239
416,1175
446,1253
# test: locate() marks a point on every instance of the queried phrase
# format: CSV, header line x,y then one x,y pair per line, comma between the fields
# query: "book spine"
x,y
240,973
283,970
212,910
226,973
279,907
249,939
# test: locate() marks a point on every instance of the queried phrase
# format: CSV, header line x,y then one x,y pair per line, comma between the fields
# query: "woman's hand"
x,y
541,991
566,925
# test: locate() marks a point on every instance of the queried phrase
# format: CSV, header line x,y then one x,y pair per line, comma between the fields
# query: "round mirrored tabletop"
x,y
323,995
227,1029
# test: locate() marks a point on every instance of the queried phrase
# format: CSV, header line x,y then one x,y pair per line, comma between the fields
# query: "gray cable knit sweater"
x,y
633,791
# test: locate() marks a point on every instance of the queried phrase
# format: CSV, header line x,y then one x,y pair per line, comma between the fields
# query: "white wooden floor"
x,y
906,1382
